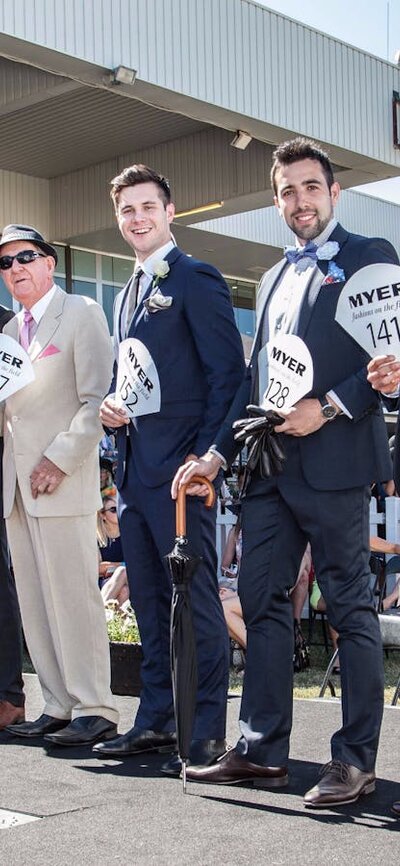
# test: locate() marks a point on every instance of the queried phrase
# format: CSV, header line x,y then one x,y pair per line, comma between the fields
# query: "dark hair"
x,y
296,150
135,174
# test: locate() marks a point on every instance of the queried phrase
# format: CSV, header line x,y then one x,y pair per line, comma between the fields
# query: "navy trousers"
x,y
147,523
11,685
278,517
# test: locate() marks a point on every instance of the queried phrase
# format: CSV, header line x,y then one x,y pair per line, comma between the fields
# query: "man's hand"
x,y
208,465
384,373
112,415
303,418
45,478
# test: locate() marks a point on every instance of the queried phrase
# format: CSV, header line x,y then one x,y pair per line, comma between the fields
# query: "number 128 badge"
x,y
285,372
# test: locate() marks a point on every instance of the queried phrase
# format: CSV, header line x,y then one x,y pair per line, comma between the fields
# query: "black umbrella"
x,y
182,563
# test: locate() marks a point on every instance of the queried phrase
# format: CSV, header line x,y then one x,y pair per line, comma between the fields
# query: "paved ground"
x,y
95,813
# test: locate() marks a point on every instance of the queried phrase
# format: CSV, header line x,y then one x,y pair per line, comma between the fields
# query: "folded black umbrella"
x,y
182,563
257,432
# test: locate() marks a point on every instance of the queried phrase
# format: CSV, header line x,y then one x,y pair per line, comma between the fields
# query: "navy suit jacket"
x,y
346,452
5,316
198,352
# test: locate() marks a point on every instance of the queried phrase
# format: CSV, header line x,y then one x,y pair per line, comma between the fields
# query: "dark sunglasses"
x,y
25,257
113,510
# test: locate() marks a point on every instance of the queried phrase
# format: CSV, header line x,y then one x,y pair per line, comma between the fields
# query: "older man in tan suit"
x,y
52,492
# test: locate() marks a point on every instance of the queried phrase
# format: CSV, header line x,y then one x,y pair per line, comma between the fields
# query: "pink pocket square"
x,y
49,350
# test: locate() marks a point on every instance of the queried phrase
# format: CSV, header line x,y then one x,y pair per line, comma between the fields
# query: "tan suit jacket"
x,y
57,415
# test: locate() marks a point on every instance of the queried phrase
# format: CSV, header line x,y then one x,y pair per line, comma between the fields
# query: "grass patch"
x,y
307,684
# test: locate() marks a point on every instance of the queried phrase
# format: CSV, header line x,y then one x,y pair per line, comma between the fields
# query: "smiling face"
x,y
304,199
27,283
143,218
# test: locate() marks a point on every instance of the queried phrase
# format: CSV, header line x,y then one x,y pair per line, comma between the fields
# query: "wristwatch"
x,y
327,410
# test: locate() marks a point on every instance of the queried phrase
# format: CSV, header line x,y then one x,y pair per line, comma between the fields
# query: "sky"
x,y
372,25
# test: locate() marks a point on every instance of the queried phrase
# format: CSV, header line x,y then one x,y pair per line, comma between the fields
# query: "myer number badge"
x,y
285,372
369,309
16,368
138,385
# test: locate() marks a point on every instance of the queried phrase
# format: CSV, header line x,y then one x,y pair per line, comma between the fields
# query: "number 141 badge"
x,y
285,371
369,309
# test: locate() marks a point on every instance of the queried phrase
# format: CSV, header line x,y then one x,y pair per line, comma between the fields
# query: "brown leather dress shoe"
x,y
233,769
10,714
340,784
396,808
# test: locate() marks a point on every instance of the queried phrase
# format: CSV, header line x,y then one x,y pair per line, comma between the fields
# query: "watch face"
x,y
328,411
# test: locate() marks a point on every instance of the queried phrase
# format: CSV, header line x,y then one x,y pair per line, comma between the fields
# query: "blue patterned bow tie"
x,y
295,254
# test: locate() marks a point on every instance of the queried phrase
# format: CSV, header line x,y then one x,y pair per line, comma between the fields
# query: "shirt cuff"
x,y
339,403
213,450
393,394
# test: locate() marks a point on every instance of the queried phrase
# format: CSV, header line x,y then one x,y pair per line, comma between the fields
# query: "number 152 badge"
x,y
285,371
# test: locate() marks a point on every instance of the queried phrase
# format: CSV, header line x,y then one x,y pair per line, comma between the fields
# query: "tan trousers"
x,y
55,565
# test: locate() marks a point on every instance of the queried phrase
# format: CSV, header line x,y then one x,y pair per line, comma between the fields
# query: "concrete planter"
x,y
126,659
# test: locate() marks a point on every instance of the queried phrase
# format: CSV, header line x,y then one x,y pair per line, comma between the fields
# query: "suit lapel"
x,y
48,325
140,310
120,304
267,286
313,289
14,325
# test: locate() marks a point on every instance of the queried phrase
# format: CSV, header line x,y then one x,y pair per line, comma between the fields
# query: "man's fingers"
x,y
182,476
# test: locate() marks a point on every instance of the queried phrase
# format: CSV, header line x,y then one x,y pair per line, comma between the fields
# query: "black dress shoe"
x,y
234,769
340,783
136,741
43,725
202,753
83,731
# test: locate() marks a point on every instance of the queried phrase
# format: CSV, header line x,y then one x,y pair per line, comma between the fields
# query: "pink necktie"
x,y
25,335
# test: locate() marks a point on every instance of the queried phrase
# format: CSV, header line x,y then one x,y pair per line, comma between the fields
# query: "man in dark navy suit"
x,y
335,443
12,697
384,376
180,310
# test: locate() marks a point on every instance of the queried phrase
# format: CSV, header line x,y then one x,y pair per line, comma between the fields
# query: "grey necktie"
x,y
132,300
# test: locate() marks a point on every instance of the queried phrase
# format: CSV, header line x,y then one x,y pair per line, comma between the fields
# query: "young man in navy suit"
x,y
336,444
181,312
384,376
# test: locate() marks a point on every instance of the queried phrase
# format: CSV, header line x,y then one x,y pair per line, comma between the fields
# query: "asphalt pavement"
x,y
82,811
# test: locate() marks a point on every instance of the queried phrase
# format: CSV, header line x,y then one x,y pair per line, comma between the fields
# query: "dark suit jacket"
x,y
198,353
344,453
5,316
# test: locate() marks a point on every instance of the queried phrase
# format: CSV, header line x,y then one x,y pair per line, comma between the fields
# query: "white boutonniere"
x,y
161,270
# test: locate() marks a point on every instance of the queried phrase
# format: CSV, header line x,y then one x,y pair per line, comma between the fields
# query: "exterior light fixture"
x,y
213,205
396,119
241,140
123,75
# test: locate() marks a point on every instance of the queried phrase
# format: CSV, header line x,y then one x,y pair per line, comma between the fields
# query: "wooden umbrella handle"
x,y
180,514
